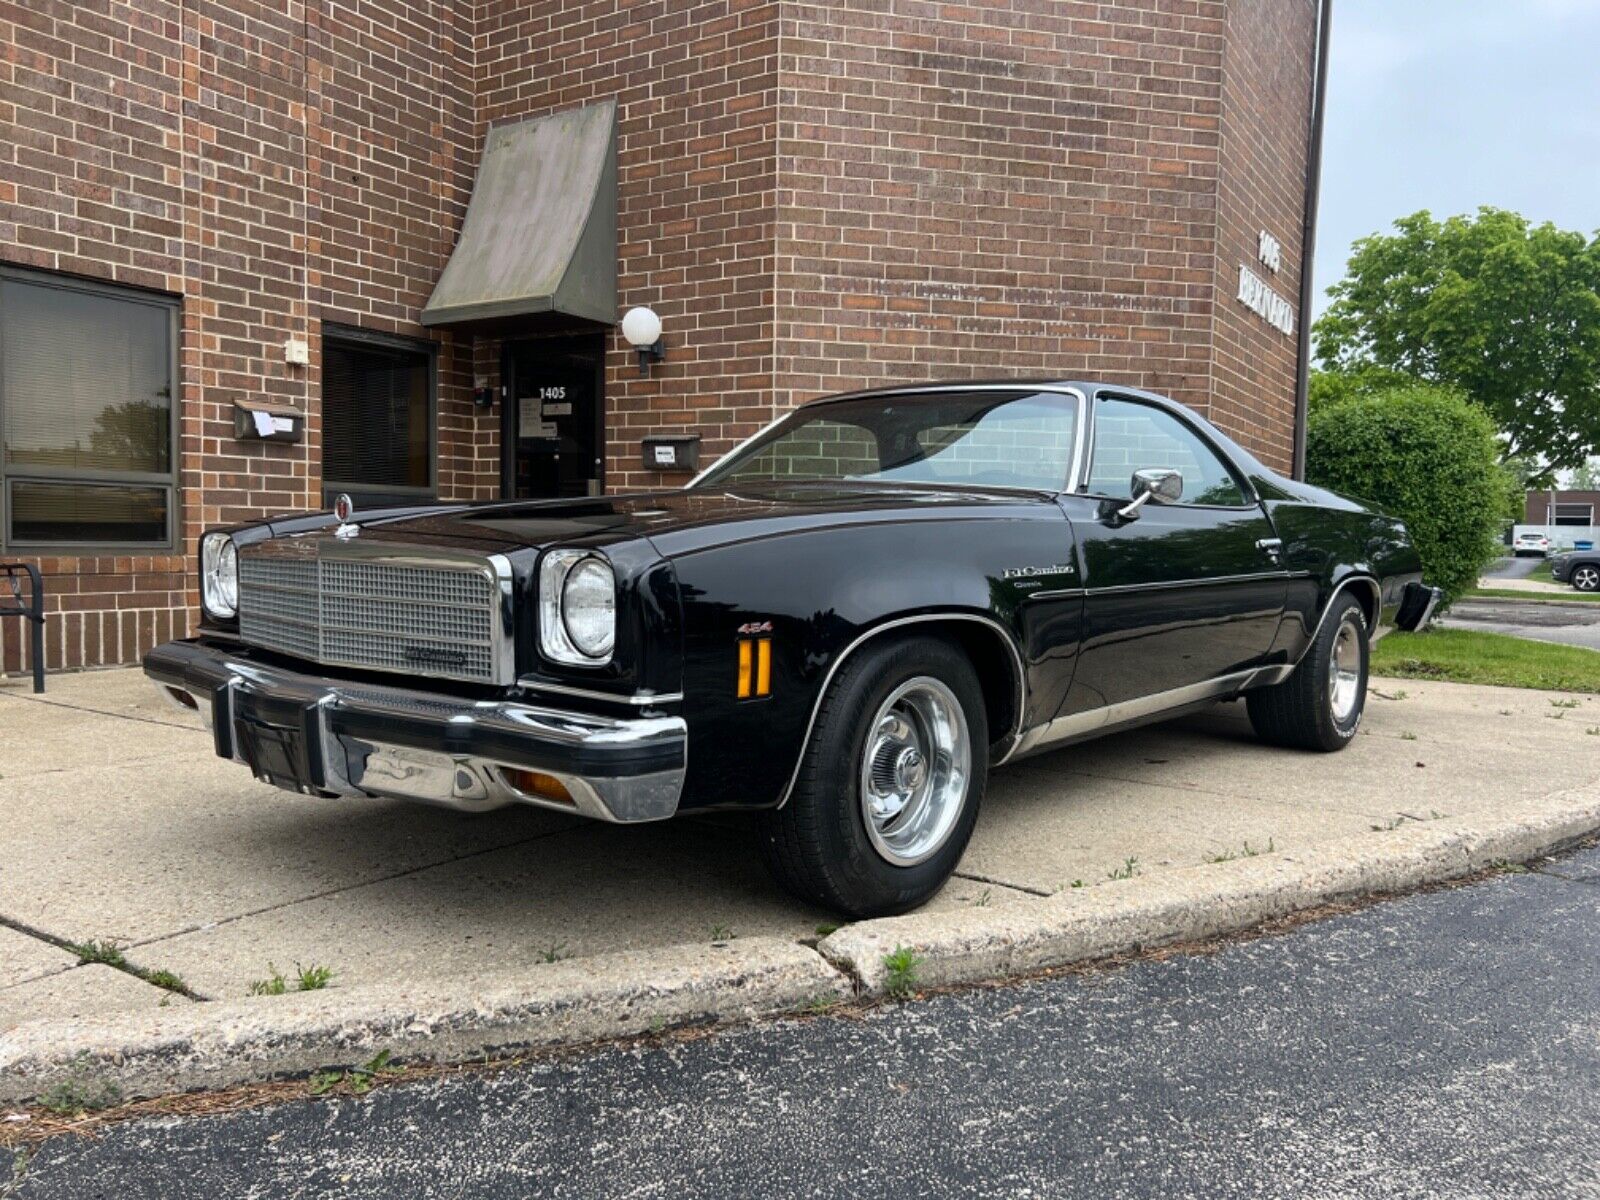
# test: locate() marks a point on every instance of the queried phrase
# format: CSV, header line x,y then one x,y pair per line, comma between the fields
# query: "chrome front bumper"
x,y
314,735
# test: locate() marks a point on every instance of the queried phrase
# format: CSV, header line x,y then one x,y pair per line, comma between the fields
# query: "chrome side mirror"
x,y
1154,483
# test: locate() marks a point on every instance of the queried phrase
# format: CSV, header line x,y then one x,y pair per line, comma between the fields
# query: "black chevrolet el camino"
x,y
843,624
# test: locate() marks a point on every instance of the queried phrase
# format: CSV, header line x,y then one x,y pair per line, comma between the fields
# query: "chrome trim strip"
x,y
1055,594
1122,588
639,699
1427,612
1012,734
503,639
1111,715
1377,591
1160,585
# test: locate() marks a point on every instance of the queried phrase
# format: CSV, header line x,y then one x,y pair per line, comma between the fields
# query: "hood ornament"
x,y
345,508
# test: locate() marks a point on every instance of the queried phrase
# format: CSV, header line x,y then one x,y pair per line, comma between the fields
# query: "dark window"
x,y
86,414
1573,514
1131,437
377,418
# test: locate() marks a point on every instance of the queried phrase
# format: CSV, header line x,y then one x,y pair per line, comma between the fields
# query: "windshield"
x,y
991,439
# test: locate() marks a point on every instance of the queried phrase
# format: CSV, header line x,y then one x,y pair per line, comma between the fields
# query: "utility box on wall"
x,y
258,421
672,452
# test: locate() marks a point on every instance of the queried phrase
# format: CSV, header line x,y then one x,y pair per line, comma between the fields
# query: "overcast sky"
x,y
1449,104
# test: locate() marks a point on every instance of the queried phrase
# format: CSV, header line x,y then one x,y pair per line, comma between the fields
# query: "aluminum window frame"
x,y
167,480
355,338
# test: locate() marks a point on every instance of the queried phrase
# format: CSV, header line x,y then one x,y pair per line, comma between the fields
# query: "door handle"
x,y
1272,547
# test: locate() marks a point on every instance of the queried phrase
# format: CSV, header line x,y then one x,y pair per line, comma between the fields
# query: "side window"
x,y
1131,437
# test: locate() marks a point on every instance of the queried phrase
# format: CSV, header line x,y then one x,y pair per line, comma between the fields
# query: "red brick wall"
x,y
273,164
1266,102
696,88
1012,189
813,196
1537,505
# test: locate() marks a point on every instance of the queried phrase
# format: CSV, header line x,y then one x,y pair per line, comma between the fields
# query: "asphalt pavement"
x,y
1443,1044
1574,623
1511,568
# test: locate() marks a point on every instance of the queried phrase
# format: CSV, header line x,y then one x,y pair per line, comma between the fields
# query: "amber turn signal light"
x,y
537,783
755,667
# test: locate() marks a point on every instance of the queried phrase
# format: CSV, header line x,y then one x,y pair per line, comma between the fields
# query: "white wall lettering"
x,y
1260,299
1270,252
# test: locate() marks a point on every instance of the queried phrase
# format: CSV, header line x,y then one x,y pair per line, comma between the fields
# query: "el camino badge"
x,y
1065,568
434,656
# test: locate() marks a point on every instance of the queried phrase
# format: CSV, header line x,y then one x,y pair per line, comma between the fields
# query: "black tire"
x,y
1300,711
1586,577
818,845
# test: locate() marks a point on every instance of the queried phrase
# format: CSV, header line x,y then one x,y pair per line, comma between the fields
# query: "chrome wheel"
x,y
1586,579
915,771
1344,672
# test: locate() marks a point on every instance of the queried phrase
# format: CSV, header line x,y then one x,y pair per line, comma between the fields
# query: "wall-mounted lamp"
x,y
642,328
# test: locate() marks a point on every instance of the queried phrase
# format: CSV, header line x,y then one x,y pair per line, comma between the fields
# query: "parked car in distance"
x,y
844,624
1536,544
1580,568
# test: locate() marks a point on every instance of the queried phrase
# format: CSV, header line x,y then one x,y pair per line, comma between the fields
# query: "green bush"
x,y
1427,456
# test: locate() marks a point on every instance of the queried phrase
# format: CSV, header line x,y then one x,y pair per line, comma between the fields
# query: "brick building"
x,y
225,227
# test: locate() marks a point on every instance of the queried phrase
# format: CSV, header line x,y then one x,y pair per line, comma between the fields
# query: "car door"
x,y
1177,595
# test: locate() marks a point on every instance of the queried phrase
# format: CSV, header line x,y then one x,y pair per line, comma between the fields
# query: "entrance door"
x,y
551,424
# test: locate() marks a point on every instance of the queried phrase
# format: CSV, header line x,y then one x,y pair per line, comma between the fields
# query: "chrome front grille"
x,y
378,608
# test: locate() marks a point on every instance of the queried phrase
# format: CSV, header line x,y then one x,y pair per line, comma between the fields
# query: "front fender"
x,y
816,596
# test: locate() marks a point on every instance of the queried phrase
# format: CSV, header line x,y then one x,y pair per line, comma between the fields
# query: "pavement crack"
x,y
156,978
100,712
975,877
233,918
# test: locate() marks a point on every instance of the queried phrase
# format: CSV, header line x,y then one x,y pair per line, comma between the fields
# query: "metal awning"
x,y
541,230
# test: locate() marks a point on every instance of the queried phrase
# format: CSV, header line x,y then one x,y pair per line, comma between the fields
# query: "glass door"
x,y
552,439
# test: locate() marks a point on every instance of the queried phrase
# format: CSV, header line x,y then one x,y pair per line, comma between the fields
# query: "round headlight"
x,y
589,607
219,575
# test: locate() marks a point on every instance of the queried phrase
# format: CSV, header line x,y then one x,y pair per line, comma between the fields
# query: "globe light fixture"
x,y
642,329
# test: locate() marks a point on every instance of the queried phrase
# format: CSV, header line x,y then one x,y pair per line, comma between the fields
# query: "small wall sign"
x,y
672,452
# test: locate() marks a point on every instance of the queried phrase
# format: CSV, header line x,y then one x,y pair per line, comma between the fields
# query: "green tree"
x,y
1504,311
1427,456
1587,477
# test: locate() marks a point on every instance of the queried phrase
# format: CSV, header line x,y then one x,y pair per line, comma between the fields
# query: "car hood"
x,y
676,522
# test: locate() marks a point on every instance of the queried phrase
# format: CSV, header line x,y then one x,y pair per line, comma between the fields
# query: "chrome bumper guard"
x,y
1416,606
313,735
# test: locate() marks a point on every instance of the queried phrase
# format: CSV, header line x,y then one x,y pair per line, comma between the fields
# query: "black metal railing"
x,y
30,607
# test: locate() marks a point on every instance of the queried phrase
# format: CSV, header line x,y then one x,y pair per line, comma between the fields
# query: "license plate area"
x,y
274,754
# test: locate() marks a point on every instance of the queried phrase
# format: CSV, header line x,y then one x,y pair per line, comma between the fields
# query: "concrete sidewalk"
x,y
120,825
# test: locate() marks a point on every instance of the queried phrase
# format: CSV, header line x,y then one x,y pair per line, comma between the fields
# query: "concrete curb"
x,y
621,995
1200,902
568,1003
